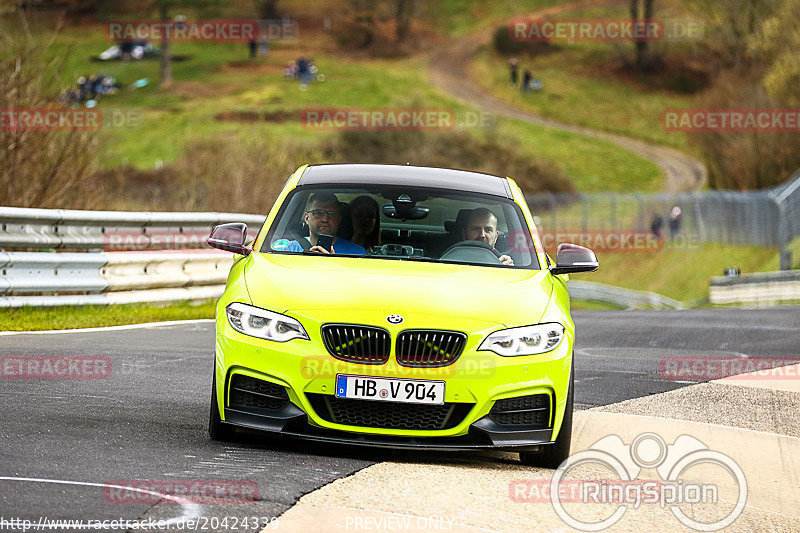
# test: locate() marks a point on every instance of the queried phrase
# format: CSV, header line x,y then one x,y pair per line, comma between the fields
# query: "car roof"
x,y
406,175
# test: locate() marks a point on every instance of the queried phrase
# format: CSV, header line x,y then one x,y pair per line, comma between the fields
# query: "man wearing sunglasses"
x,y
322,215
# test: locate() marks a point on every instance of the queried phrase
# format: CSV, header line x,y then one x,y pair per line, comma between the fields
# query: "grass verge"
x,y
680,273
90,316
219,81
587,83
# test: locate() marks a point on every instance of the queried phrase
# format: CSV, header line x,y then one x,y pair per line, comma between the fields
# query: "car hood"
x,y
505,296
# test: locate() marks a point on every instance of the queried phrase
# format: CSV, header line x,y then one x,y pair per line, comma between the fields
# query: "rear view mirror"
x,y
230,237
405,212
571,259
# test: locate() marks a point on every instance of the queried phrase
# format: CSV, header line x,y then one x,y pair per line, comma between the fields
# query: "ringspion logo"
x,y
675,489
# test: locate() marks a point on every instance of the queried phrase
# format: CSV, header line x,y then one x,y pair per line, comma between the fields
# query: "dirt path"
x,y
449,70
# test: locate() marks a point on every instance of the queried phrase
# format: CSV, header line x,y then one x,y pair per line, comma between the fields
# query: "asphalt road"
x,y
61,440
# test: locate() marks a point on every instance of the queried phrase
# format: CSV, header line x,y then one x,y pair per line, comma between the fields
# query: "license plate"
x,y
390,389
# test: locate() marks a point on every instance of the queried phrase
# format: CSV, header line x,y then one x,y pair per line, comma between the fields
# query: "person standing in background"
x,y
674,222
513,66
527,76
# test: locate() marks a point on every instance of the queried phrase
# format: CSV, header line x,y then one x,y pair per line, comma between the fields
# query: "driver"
x,y
322,215
481,226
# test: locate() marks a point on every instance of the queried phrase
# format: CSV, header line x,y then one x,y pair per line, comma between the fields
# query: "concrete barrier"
x,y
767,288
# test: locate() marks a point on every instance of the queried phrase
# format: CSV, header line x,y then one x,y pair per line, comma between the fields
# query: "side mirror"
x,y
571,259
230,237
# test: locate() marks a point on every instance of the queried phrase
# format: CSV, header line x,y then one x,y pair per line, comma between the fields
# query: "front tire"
x,y
217,429
554,454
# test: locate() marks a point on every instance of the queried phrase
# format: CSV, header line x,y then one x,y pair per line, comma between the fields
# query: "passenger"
x,y
365,216
481,226
322,216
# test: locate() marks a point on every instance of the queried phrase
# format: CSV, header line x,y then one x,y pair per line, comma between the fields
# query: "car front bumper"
x,y
476,381
483,434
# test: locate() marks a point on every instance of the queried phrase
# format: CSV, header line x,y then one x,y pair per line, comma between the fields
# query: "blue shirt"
x,y
340,246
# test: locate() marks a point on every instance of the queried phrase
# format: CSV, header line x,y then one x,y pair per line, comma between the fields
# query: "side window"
x,y
518,239
288,226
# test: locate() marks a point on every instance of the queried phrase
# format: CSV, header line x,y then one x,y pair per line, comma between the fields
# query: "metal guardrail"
x,y
768,217
65,278
50,278
588,290
66,229
762,288
133,277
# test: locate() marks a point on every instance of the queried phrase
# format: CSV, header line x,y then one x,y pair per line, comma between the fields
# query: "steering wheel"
x,y
471,245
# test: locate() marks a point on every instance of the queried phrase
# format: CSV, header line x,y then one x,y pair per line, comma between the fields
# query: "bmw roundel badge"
x,y
394,319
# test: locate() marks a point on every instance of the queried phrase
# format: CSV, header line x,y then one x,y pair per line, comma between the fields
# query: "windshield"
x,y
409,223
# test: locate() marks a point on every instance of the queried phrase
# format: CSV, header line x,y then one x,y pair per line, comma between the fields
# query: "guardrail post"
x,y
783,238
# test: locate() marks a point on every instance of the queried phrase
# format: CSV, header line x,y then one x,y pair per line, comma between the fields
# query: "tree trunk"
x,y
166,58
403,16
642,12
268,9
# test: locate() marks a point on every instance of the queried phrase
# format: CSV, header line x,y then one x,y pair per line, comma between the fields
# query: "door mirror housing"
x,y
230,237
571,259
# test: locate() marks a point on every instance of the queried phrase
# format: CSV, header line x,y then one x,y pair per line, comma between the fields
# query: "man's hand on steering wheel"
x,y
506,260
501,258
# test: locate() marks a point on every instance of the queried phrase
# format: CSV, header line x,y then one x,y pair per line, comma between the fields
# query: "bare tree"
x,y
642,13
164,8
166,57
405,10
730,26
775,45
267,9
45,166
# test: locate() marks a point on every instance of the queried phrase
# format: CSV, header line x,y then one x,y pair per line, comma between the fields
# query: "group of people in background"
x,y
528,81
90,89
259,48
674,223
305,70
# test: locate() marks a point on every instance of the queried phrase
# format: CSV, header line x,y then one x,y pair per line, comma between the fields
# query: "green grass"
x,y
579,86
576,97
70,317
680,273
458,17
219,79
592,165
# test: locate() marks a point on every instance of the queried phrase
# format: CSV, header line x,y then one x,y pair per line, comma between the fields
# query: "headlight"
x,y
264,324
527,340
